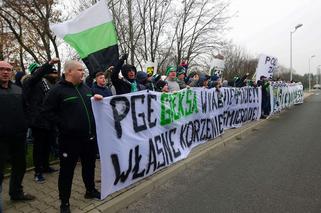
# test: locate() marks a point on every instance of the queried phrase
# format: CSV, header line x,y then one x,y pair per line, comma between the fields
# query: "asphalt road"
x,y
277,168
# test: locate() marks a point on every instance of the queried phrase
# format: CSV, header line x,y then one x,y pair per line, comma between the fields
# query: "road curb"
x,y
307,94
127,196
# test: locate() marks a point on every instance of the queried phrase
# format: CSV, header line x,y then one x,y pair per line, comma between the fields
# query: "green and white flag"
x,y
92,34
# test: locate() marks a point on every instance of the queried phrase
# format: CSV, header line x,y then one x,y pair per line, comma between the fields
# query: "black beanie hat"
x,y
126,68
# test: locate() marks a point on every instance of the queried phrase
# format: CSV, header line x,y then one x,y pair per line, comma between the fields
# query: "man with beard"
x,y
35,87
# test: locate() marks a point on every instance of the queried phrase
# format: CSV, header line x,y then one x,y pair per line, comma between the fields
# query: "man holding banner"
x,y
266,106
68,106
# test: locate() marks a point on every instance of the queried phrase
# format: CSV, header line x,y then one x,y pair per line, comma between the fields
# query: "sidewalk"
x,y
47,194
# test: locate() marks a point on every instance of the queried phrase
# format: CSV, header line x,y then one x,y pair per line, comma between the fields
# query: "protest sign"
x,y
285,95
266,67
217,67
141,133
150,68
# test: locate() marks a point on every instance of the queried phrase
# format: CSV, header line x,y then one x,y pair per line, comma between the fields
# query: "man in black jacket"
x,y
35,87
239,82
12,134
128,83
68,105
266,104
99,87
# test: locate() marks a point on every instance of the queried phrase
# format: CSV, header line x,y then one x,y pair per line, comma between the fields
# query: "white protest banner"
x,y
150,68
240,103
141,133
217,67
285,95
266,66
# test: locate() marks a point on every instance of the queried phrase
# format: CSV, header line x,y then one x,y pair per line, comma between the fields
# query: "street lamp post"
x,y
318,74
291,32
312,56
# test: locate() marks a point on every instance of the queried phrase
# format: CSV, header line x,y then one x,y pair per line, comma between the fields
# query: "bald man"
x,y
68,106
12,134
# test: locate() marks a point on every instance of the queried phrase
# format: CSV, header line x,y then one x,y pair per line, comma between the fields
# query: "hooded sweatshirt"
x,y
125,85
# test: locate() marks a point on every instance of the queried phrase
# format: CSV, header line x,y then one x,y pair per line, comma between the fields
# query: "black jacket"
x,y
103,91
34,89
121,85
12,118
265,87
69,107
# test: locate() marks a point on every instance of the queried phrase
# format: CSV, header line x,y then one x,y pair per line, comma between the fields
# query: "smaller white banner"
x,y
285,95
266,66
217,67
150,68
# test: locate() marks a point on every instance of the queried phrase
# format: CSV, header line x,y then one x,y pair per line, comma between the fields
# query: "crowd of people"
x,y
59,109
47,105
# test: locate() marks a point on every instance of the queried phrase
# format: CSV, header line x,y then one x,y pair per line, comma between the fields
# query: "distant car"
x,y
317,86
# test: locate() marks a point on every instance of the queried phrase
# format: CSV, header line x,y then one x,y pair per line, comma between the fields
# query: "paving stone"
x,y
94,211
12,210
88,208
19,205
52,210
28,209
47,196
42,206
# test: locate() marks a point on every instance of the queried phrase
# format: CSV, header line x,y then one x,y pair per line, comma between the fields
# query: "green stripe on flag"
x,y
93,39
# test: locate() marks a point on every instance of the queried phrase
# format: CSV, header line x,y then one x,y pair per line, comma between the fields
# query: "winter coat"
x,y
69,107
35,87
182,84
103,91
12,114
123,86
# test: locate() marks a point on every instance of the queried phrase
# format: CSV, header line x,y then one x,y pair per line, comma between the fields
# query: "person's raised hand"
x,y
124,56
54,61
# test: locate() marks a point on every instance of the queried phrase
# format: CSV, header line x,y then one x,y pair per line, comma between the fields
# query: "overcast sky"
x,y
264,27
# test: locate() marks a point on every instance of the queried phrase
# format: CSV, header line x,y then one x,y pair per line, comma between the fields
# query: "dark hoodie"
x,y
35,87
124,85
142,78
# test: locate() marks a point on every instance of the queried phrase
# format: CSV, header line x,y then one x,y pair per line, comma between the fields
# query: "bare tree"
x,y
128,26
29,21
6,50
154,15
198,29
237,62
